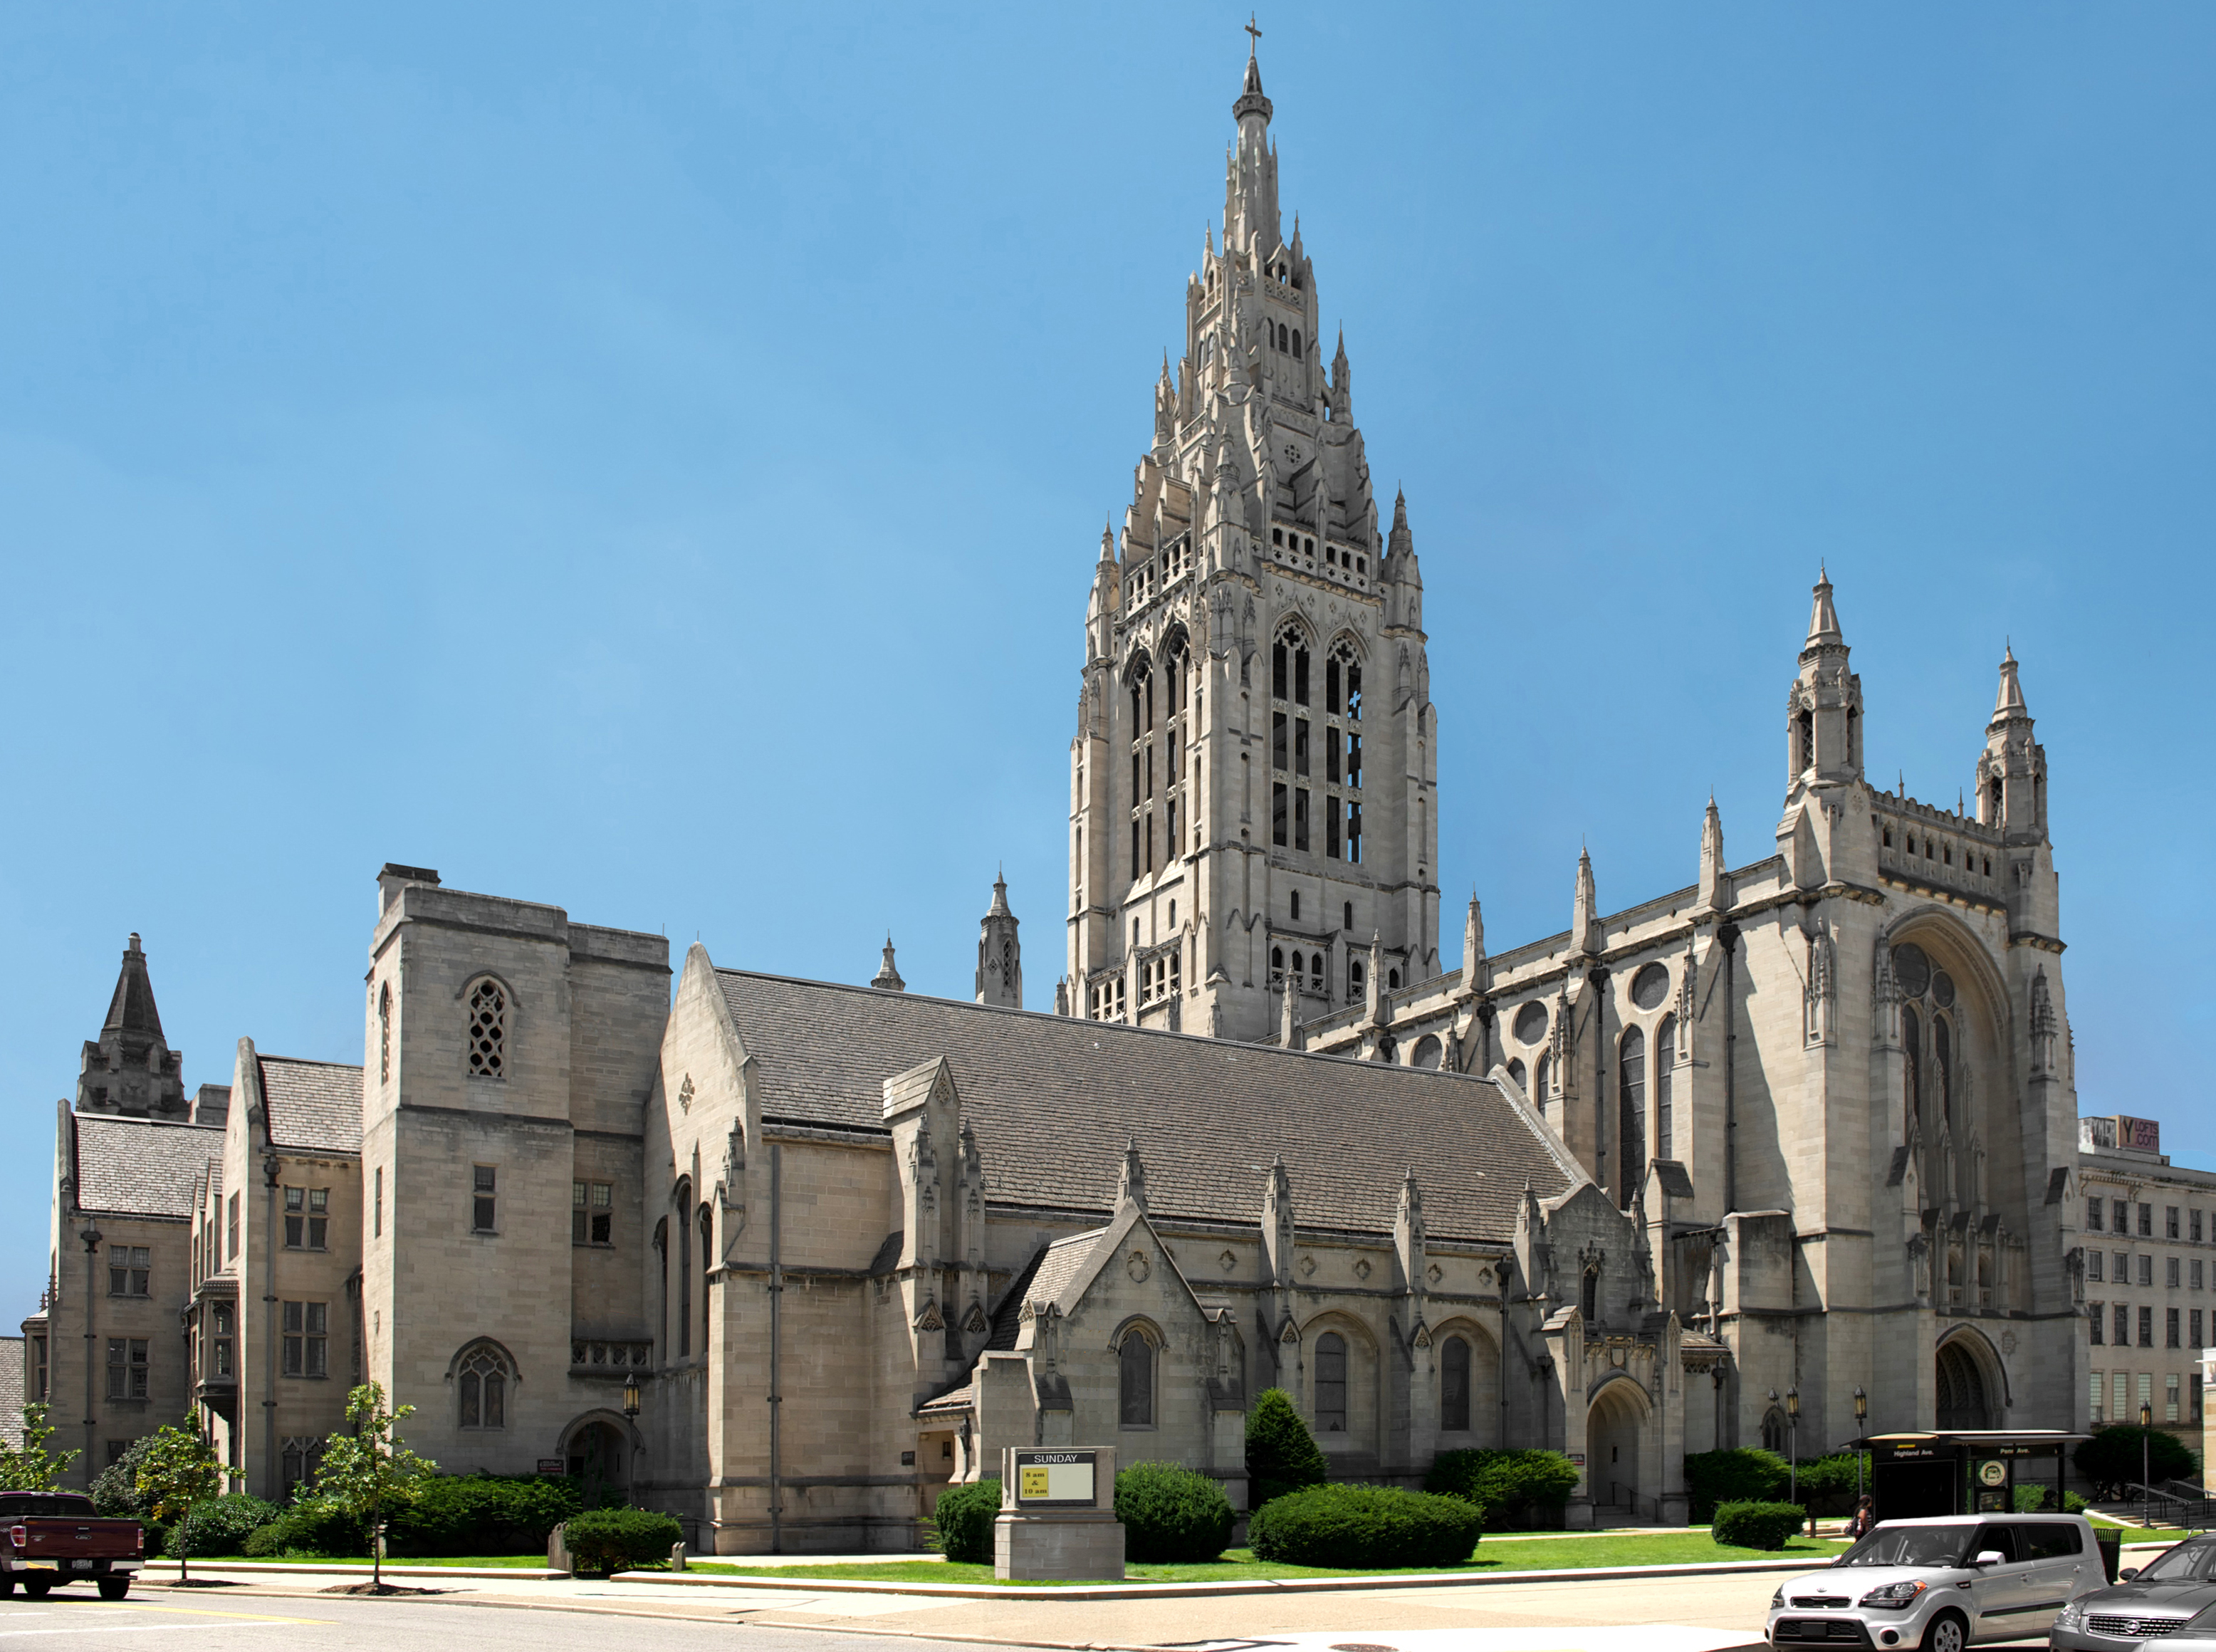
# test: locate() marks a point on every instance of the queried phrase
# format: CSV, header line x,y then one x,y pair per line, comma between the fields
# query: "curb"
x,y
1229,1589
286,1567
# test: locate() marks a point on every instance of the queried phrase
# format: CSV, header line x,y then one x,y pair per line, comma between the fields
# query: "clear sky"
x,y
650,459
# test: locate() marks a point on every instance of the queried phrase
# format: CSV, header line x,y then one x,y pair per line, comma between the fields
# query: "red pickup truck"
x,y
54,1537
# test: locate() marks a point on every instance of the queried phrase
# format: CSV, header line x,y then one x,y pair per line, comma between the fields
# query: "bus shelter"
x,y
1970,1471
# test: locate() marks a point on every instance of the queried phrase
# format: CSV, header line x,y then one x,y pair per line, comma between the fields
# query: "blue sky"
x,y
650,459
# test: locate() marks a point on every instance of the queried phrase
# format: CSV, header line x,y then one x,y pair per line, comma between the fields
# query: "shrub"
x,y
1364,1527
616,1539
1510,1489
2039,1500
311,1526
483,1514
1747,1524
219,1526
1282,1455
962,1525
1171,1515
115,1488
2111,1458
1745,1473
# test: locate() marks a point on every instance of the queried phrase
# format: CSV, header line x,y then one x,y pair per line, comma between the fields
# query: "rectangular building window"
x,y
2123,1326
2123,1273
1353,832
2169,1272
2197,1227
38,1367
2093,1266
2170,1221
482,1207
1301,746
2146,1390
2146,1328
1300,817
307,1217
220,1343
2169,1386
2119,1398
128,1270
1330,838
2094,1208
1331,755
2200,1275
2146,1271
127,1368
2195,1388
1279,807
2096,1317
231,1228
305,1339
2099,1393
2193,1321
2122,1212
376,1208
1280,745
1353,761
592,1213
2146,1221
2171,1337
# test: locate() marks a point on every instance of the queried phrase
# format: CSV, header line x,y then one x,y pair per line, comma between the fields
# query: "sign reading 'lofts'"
x,y
1055,1479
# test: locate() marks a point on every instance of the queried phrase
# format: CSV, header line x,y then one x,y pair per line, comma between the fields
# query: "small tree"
x,y
2112,1459
1282,1455
370,1471
33,1466
179,1468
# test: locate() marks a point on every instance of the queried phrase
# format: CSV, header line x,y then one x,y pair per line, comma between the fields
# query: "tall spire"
x,y
888,979
1822,618
1585,924
129,1068
1472,948
1716,886
1000,953
2009,700
132,1009
1251,101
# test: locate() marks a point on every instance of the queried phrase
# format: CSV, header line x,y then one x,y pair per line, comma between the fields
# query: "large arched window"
x,y
1330,1384
683,1200
1589,1295
483,1376
1911,1045
384,1032
488,1002
661,1263
1289,666
1454,1385
1665,1059
1522,1079
1631,1114
1539,1077
1943,1069
707,1265
1135,1379
1773,1432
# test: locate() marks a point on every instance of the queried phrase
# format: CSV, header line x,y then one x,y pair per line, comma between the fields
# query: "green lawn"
x,y
517,1561
1238,1565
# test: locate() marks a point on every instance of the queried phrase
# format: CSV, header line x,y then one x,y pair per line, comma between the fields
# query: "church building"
x,y
786,1257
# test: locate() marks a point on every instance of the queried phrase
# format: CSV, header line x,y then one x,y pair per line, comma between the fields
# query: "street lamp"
x,y
1793,1441
630,1453
2146,1490
1862,1419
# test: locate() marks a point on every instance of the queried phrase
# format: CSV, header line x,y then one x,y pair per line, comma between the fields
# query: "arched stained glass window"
x,y
1666,1058
1330,1384
1135,1379
1454,1385
482,1378
1631,1112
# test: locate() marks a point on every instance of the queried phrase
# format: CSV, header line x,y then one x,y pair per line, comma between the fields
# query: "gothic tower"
x,y
129,1068
1254,777
999,955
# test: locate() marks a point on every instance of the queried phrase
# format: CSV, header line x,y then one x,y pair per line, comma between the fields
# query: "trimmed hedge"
x,y
961,1525
1511,1489
1172,1515
1746,1474
616,1539
450,1515
311,1526
1361,1526
1758,1526
219,1526
1282,1455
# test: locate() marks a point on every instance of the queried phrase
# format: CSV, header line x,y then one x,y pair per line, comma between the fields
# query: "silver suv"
x,y
1942,1584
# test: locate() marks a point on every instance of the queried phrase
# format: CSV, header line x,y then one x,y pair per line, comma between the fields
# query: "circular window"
x,y
1943,989
1531,1023
1650,986
1911,969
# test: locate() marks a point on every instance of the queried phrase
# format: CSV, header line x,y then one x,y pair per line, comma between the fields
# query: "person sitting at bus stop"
x,y
1865,1517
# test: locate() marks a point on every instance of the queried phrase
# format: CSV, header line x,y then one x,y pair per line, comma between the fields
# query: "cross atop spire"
x,y
1251,101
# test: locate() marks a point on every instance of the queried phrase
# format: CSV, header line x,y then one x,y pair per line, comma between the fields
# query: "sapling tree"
x,y
179,1468
371,1471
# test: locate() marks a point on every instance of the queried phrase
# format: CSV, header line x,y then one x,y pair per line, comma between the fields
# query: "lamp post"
x,y
2146,1491
630,1447
1792,1442
1862,1419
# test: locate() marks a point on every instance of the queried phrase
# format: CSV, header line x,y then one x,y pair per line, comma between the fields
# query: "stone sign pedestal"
x,y
1058,1520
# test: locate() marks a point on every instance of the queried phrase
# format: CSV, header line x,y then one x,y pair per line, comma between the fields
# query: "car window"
x,y
2001,1538
2046,1539
1908,1545
60,1505
2189,1562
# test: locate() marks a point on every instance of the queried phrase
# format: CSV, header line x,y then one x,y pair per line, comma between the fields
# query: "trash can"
x,y
2111,1540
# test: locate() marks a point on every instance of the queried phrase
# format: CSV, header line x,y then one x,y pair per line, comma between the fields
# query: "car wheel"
x,y
114,1588
36,1587
1947,1633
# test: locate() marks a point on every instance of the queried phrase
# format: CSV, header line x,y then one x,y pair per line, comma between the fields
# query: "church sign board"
x,y
1055,1479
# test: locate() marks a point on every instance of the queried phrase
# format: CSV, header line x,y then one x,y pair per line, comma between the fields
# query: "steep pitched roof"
x,y
314,1105
1053,1099
132,1009
141,1167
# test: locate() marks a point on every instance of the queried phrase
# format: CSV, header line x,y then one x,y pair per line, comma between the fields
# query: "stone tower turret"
x,y
1823,713
129,1068
999,955
888,979
1254,776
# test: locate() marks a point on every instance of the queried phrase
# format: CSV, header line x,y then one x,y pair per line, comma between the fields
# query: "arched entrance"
x,y
1966,1396
596,1450
1612,1443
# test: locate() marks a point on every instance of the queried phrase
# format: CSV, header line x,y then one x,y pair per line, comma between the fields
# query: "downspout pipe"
x,y
92,1237
270,1466
776,1349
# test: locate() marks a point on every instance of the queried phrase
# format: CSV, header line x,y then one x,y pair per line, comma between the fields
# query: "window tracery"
x,y
488,1029
483,1377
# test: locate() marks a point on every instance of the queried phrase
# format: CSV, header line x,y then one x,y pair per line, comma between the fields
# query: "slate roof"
x,y
313,1104
1065,1260
141,1167
1053,1099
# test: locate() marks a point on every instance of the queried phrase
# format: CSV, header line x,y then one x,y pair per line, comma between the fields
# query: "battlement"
x,y
1942,848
